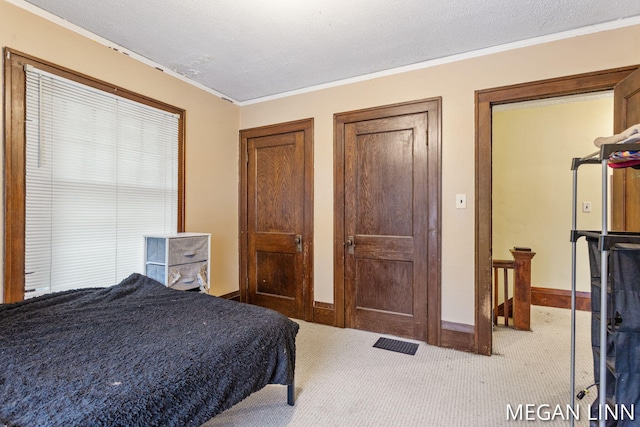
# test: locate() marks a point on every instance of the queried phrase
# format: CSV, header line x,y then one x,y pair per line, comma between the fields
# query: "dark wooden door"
x,y
626,182
278,230
386,229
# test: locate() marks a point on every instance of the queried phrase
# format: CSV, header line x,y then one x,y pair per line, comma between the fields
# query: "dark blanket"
x,y
136,354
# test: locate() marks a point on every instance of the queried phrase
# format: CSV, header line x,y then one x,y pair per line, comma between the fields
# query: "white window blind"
x,y
101,172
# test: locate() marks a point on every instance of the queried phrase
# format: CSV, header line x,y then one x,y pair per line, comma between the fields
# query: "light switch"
x,y
586,207
461,201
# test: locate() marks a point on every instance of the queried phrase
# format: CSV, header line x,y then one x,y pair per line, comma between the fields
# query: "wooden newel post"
x,y
522,288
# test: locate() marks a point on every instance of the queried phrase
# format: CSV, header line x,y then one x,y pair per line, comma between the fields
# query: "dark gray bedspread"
x,y
136,354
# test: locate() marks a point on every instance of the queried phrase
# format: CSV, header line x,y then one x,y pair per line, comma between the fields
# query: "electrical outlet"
x,y
586,207
461,201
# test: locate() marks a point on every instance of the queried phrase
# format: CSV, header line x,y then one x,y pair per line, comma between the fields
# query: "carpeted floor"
x,y
341,380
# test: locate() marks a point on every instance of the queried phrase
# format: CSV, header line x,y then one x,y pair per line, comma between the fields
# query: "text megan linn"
x,y
543,412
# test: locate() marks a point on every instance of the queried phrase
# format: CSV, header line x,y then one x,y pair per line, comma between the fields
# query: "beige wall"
x,y
456,83
533,145
211,126
212,133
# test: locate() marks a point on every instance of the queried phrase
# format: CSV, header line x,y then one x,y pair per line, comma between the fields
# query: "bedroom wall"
x,y
211,127
455,82
533,144
212,133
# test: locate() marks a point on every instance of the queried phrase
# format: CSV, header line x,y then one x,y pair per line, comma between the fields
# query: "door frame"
x,y
484,101
432,106
306,126
621,177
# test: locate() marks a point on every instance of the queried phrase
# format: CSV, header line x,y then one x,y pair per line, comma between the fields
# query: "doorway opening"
x,y
485,101
533,143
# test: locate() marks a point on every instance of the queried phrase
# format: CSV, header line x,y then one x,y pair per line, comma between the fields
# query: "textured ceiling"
x,y
250,49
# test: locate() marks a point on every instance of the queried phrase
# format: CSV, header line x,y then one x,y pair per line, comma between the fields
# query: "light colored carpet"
x,y
341,380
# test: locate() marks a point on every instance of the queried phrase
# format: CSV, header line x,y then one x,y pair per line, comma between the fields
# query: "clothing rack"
x,y
606,241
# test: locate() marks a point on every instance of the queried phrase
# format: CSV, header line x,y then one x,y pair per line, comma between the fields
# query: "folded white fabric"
x,y
631,134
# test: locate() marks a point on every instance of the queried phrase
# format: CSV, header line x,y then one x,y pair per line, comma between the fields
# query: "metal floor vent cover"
x,y
397,346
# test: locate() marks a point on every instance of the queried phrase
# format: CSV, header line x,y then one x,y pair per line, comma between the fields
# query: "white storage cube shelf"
x,y
179,261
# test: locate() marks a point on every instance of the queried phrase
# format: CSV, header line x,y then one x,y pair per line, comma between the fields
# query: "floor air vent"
x,y
397,346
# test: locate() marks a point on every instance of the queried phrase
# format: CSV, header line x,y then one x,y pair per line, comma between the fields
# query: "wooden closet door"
x,y
277,234
387,204
386,225
626,182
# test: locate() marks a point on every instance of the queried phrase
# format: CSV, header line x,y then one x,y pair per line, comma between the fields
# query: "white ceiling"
x,y
247,50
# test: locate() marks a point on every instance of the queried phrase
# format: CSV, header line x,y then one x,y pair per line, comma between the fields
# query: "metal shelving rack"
x,y
606,240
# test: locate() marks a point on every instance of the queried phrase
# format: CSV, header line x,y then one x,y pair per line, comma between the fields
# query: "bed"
x,y
137,354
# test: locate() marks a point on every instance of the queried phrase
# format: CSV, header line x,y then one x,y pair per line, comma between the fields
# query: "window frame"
x,y
14,157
